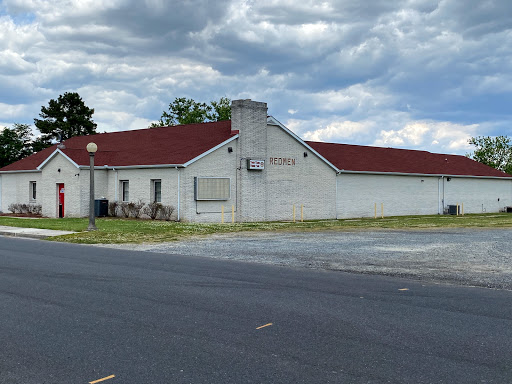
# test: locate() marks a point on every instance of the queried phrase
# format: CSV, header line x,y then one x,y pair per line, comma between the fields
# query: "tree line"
x,y
68,116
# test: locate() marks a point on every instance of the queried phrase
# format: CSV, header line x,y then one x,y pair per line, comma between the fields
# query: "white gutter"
x,y
26,171
336,197
135,166
443,194
439,202
424,174
116,182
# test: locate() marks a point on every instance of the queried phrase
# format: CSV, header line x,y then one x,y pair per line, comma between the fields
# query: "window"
x,y
156,191
213,188
33,191
125,191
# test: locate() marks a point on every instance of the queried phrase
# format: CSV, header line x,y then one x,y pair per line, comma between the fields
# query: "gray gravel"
x,y
462,256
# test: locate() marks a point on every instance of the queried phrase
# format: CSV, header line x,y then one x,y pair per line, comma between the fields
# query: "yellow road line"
x,y
403,289
266,325
105,378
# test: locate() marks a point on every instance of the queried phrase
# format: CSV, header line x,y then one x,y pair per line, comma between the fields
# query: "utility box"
x,y
101,207
452,210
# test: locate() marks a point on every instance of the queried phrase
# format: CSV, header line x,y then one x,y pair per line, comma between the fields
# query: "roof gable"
x,y
55,153
273,121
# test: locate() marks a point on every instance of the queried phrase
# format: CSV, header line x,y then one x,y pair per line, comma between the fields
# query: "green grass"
x,y
112,230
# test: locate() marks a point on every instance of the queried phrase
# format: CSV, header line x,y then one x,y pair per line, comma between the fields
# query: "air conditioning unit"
x,y
452,210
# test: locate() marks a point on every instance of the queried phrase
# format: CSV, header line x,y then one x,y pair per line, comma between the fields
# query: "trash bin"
x,y
101,207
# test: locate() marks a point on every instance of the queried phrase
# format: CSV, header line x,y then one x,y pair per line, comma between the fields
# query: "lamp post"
x,y
91,148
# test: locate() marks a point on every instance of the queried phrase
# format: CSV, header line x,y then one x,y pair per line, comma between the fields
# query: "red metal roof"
x,y
151,146
377,159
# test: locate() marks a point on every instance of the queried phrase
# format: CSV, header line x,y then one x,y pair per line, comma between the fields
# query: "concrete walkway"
x,y
34,233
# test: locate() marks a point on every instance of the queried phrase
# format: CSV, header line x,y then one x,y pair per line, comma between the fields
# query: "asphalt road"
x,y
77,314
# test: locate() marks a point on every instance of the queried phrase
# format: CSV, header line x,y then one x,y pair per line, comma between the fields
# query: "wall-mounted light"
x,y
230,149
422,181
58,170
448,179
305,154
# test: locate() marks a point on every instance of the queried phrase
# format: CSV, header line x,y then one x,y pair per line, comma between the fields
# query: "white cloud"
x,y
120,121
14,63
358,99
18,38
12,112
338,130
432,135
412,134
391,130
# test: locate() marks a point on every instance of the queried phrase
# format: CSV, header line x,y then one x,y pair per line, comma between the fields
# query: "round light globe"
x,y
92,147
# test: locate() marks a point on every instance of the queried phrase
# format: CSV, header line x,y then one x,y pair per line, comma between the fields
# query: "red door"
x,y
60,193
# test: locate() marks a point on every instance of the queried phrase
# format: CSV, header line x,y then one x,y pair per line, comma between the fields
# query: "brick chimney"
x,y
250,119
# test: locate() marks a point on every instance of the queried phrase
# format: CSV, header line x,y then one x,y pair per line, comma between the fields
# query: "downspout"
x,y
178,170
442,201
336,196
116,182
238,198
439,195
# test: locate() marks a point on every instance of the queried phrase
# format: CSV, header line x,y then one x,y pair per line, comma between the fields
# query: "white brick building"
x,y
204,169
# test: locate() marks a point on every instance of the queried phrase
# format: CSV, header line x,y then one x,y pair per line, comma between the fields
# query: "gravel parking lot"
x,y
478,257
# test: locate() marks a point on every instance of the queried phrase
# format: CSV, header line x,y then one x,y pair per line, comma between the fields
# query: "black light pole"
x,y
91,148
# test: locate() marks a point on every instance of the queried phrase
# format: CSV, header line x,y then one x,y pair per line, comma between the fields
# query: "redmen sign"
x,y
282,161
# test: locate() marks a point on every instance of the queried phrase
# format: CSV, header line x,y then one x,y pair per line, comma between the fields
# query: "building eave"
x,y
115,167
21,171
342,171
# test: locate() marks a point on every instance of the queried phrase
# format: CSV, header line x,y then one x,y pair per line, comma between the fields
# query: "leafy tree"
x,y
15,143
183,111
65,117
495,152
41,143
188,111
221,110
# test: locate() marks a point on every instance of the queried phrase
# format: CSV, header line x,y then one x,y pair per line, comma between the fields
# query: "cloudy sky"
x,y
417,74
